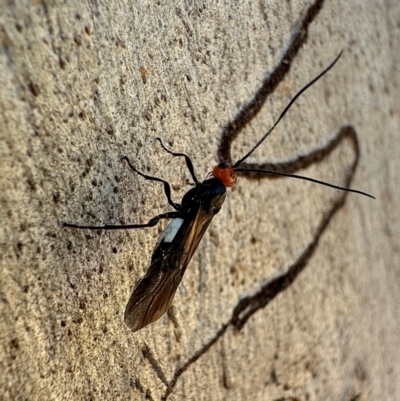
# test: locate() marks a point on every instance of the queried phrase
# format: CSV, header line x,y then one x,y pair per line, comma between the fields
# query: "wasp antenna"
x,y
301,91
302,177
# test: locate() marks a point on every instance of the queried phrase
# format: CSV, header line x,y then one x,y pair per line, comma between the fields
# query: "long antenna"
x,y
240,161
302,177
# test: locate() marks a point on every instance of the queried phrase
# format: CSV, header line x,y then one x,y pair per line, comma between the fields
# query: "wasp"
x,y
176,245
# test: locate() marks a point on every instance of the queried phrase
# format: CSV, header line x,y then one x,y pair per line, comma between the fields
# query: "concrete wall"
x,y
293,293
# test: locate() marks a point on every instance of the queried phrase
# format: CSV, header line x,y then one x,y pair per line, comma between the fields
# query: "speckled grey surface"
x,y
83,84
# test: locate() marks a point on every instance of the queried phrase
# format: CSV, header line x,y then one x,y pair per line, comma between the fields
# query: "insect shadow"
x,y
247,306
176,245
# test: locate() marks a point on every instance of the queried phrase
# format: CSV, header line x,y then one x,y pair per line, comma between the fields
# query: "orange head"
x,y
225,173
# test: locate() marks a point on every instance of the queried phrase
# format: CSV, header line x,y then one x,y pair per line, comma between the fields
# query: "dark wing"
x,y
152,296
154,293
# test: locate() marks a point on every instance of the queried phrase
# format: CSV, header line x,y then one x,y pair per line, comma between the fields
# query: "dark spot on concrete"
x,y
20,246
78,39
62,62
14,343
77,320
274,377
360,371
34,88
56,197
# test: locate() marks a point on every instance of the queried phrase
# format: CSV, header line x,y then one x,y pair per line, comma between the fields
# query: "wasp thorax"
x,y
225,173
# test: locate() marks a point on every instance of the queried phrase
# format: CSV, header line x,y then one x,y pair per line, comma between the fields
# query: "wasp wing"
x,y
152,296
154,293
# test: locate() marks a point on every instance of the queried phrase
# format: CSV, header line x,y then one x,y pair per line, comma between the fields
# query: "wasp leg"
x,y
152,222
167,187
189,163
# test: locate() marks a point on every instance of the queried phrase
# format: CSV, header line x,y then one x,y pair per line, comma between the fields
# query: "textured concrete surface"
x,y
293,294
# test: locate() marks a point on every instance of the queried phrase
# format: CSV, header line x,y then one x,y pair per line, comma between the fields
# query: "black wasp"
x,y
176,245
